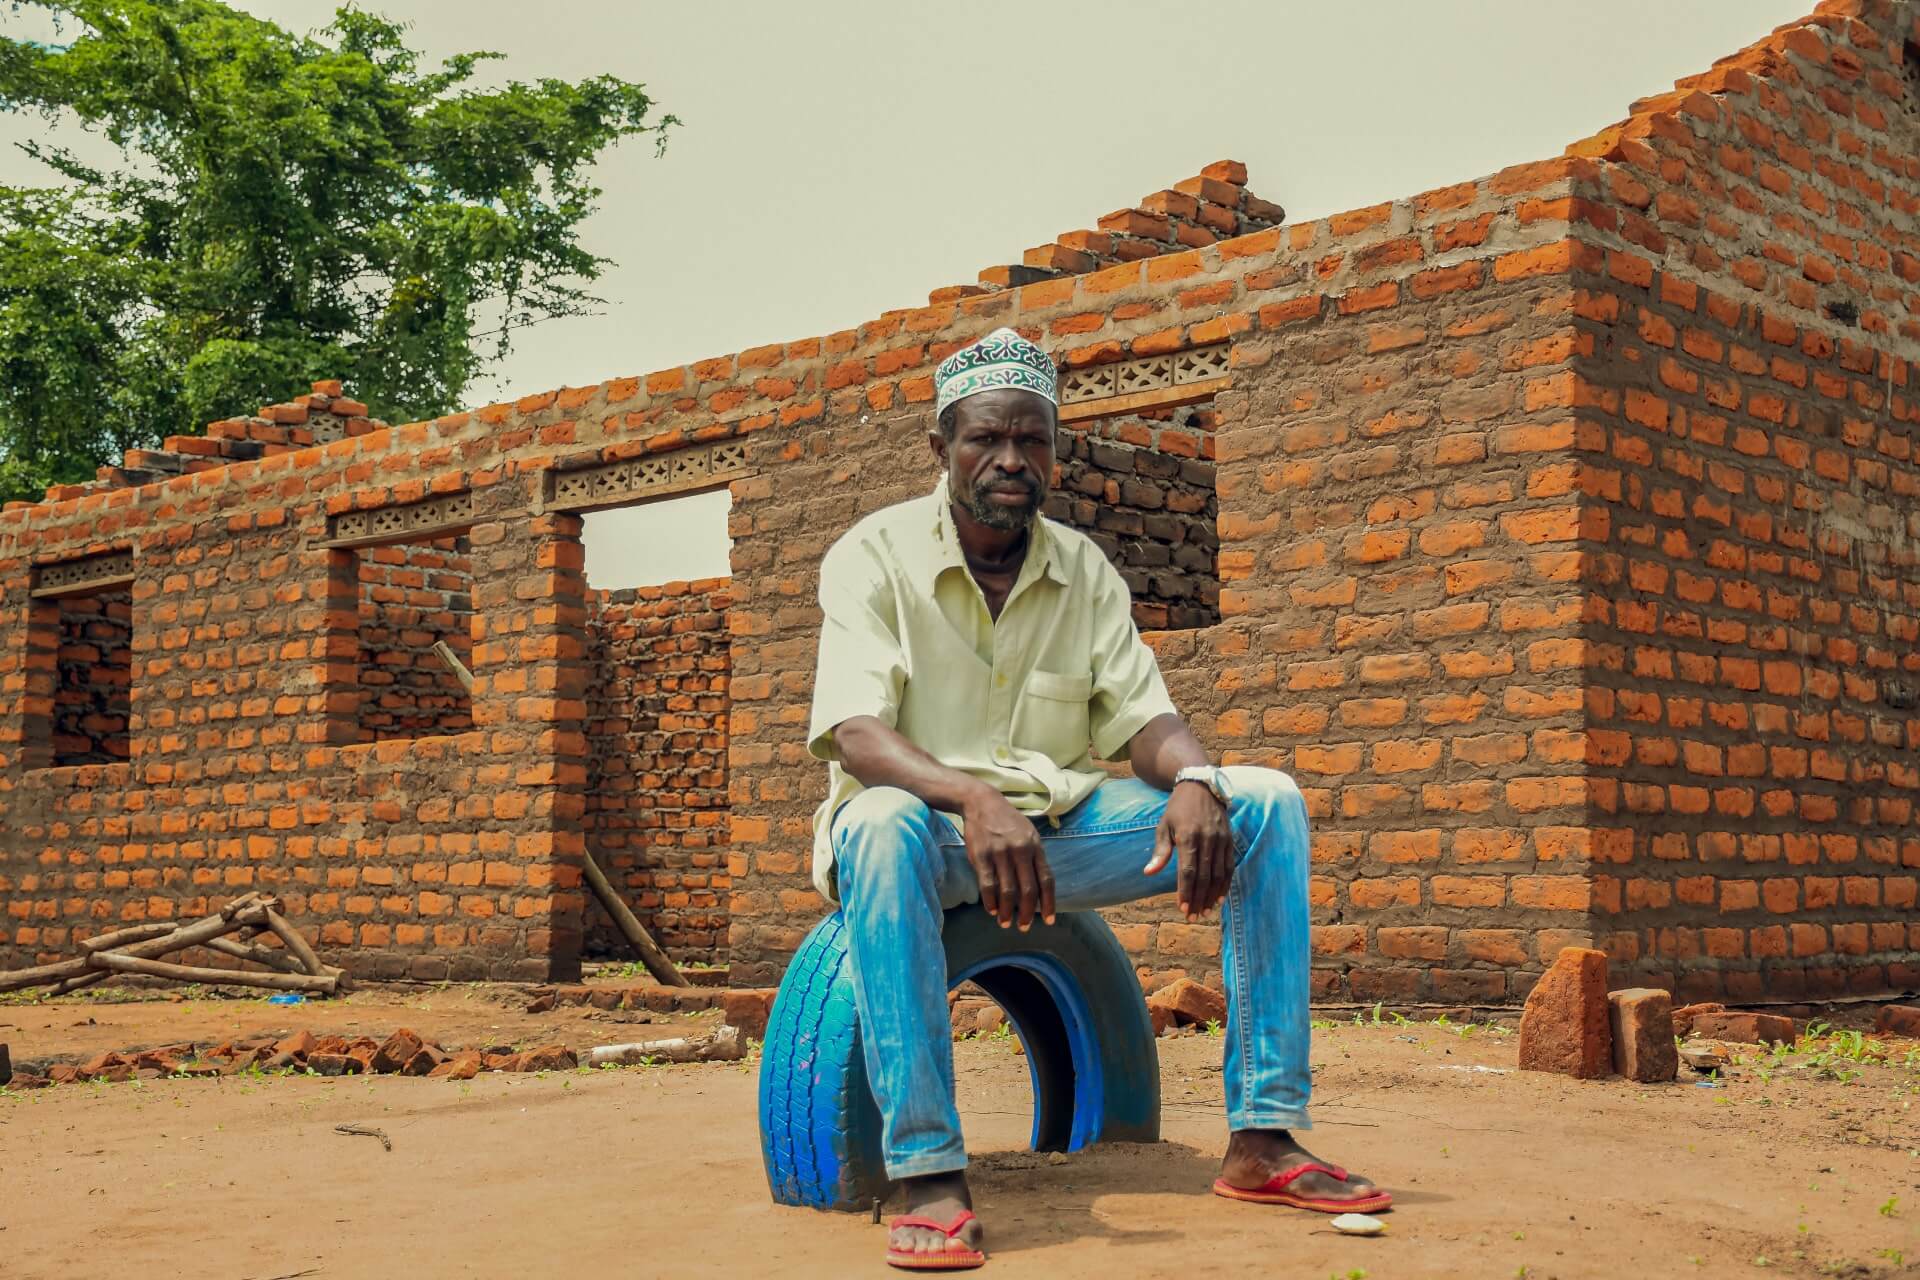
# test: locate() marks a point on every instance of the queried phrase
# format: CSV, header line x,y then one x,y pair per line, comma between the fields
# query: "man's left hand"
x,y
1195,825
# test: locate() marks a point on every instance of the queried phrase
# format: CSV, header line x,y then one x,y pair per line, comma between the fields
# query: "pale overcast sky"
x,y
843,158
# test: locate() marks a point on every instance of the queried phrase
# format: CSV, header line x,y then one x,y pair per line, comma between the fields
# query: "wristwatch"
x,y
1212,777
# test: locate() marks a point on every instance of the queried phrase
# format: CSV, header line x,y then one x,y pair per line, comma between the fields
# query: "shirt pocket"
x,y
1051,717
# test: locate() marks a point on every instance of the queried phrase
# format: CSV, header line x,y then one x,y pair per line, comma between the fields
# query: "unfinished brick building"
x,y
1559,531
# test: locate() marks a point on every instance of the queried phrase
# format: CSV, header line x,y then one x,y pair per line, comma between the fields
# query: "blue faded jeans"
x,y
901,865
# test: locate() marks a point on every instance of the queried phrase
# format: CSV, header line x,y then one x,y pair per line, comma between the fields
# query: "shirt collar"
x,y
1042,555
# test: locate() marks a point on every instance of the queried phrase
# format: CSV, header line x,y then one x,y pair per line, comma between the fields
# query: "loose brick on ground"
x,y
1565,1026
1642,1027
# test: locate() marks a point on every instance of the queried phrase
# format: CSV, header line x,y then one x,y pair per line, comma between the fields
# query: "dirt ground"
x,y
1799,1167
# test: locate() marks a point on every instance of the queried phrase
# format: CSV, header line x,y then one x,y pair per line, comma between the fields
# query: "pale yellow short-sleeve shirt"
x,y
1024,703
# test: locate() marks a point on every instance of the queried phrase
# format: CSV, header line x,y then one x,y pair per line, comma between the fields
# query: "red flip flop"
x,y
950,1260
1275,1192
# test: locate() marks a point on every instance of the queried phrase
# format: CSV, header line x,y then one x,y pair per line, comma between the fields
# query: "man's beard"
x,y
997,515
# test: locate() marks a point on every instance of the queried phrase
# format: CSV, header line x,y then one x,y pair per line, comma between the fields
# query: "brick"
x,y
551,1057
395,1052
749,1009
464,1065
424,1061
1565,1025
1189,1003
1642,1027
1898,1020
1743,1028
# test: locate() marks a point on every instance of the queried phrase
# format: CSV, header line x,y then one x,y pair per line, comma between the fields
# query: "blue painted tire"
x,y
1068,988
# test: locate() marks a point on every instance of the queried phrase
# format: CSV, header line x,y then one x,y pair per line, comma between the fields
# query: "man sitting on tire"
x,y
974,658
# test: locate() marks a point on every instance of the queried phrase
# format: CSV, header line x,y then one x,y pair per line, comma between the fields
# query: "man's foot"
x,y
1255,1157
940,1197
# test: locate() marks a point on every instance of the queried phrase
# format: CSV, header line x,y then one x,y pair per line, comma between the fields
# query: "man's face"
x,y
1000,460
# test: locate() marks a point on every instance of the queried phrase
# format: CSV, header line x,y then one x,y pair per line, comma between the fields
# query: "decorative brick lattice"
x,y
1151,373
434,515
69,576
636,478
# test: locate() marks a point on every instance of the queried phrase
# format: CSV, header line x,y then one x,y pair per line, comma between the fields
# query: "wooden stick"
x,y
134,933
228,977
290,939
84,980
280,960
722,1045
452,659
656,960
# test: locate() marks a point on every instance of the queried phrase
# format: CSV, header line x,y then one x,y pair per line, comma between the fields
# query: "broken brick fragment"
x,y
1683,1016
749,1008
1565,1027
464,1065
100,1064
1898,1020
298,1045
424,1060
1744,1028
551,1057
1190,1003
395,1052
334,1064
1642,1026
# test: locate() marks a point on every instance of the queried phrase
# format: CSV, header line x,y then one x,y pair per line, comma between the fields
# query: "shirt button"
x,y
1002,755
1000,680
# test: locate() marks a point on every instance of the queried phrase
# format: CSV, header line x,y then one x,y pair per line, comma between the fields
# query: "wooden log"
x,y
39,975
246,909
120,963
84,980
280,960
657,962
134,933
722,1045
452,659
290,939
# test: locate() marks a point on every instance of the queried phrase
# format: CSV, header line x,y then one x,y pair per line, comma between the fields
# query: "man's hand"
x,y
1008,860
1195,823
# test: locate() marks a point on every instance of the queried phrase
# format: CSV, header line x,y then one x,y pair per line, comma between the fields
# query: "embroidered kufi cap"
x,y
1001,359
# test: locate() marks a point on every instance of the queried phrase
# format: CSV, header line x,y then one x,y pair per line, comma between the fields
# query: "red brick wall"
x,y
1417,339
411,597
1143,489
1753,616
452,856
1750,473
1461,468
656,816
1786,174
95,662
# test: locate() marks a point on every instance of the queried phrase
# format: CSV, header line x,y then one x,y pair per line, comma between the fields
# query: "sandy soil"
x,y
656,1171
463,1016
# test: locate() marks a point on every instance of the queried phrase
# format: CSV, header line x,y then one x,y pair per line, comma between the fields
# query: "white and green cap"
x,y
1001,359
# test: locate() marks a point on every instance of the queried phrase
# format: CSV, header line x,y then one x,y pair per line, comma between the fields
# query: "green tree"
x,y
282,208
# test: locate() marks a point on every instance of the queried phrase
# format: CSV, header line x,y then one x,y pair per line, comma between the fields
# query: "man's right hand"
x,y
1008,860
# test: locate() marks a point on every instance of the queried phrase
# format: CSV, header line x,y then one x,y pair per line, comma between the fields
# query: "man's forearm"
x,y
881,757
1163,748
